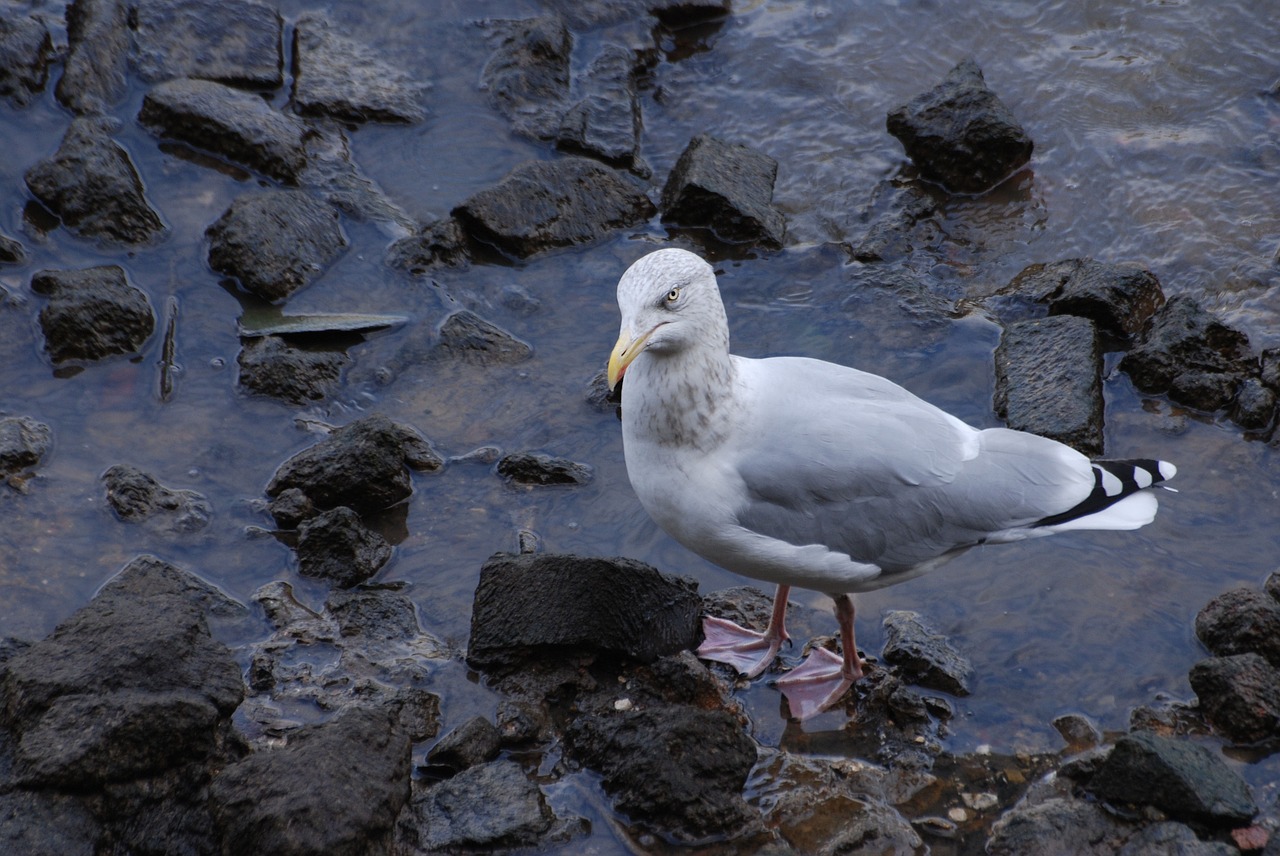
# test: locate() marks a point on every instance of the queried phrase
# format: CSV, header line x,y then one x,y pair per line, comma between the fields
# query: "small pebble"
x,y
958,815
622,704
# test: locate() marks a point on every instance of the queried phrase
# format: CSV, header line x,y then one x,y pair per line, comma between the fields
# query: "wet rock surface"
x,y
339,77
24,443
960,134
605,122
235,42
925,655
466,336
1049,382
439,243
97,58
275,243
1119,298
527,77
91,185
1241,621
476,741
136,496
25,51
537,469
269,365
335,545
727,188
1240,695
11,251
92,313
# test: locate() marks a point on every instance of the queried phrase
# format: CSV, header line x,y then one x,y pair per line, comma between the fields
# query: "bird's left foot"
x,y
748,651
818,682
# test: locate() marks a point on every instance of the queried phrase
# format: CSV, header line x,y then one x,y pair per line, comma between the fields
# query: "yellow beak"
x,y
624,351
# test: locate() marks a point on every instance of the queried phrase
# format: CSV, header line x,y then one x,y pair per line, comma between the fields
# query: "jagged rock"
x,y
275,242
1241,621
23,444
336,788
903,218
527,77
1240,696
1119,298
91,185
93,79
535,601
363,465
335,545
339,77
533,469
1048,380
441,243
373,613
727,188
231,123
136,496
960,134
520,722
92,313
474,742
290,508
466,336
543,205
1185,780
1254,408
676,769
25,50
928,657
605,123
236,42
11,251
1079,732
271,366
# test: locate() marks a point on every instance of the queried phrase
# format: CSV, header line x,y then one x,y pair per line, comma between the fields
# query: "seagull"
x,y
806,473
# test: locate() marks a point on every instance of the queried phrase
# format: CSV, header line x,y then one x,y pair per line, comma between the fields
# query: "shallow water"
x,y
1156,141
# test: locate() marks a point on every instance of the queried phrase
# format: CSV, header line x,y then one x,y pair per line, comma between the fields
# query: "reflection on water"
x,y
1157,138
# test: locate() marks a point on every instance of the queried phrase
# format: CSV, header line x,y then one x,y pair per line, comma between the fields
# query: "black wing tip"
x,y
1113,481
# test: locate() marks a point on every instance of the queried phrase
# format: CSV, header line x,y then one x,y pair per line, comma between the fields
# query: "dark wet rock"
x,y
92,313
466,336
679,678
1186,780
727,188
336,788
903,219
373,613
544,205
1241,621
1240,696
676,769
605,123
25,50
532,602
1048,380
1119,298
93,79
275,242
1269,368
271,366
236,42
1183,339
527,77
598,394
335,545
474,742
339,77
136,496
746,606
46,823
437,244
490,806
1173,839
230,123
928,657
535,469
1057,826
91,185
521,722
362,465
11,251
1079,732
24,442
131,685
1254,408
960,134
290,508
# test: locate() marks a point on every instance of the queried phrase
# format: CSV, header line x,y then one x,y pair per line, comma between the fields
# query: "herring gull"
x,y
806,473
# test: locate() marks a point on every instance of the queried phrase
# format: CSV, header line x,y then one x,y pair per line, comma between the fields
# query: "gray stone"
x,y
490,806
1254,408
136,496
239,126
441,243
474,742
91,185
1048,380
535,469
1173,839
269,365
535,601
960,134
236,42
275,242
336,546
727,188
1241,621
92,313
527,77
466,336
926,656
1119,298
93,79
373,614
605,122
25,51
339,77
544,205
1240,696
290,508
1058,827
24,442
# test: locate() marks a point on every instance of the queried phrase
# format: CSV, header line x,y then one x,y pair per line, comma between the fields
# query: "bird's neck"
x,y
683,399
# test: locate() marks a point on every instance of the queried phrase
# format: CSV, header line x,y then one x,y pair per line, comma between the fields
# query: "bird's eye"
x,y
673,295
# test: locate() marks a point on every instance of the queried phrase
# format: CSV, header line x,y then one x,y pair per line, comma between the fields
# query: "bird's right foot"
x,y
748,651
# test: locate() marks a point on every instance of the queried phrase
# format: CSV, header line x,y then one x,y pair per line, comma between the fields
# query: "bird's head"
x,y
670,303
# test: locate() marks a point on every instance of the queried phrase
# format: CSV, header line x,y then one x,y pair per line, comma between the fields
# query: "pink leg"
x,y
746,650
824,677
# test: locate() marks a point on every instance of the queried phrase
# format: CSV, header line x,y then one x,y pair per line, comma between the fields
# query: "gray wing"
x,y
849,460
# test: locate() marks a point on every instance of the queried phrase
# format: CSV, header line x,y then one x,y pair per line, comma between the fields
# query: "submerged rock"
x,y
727,188
339,77
605,122
275,242
92,313
1240,696
25,51
24,442
1254,408
533,469
1119,298
474,742
466,336
91,185
928,657
902,215
335,545
440,243
11,251
236,42
960,134
544,205
269,365
136,496
93,78
527,77
1048,380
